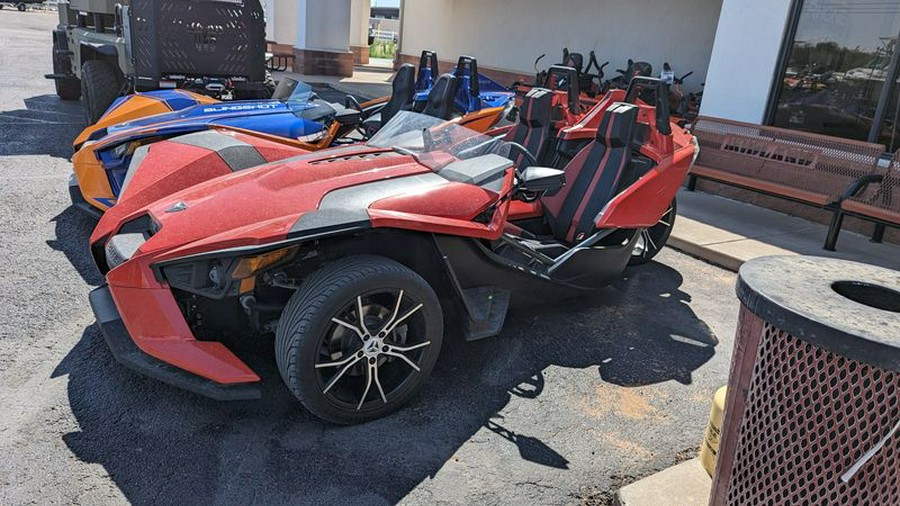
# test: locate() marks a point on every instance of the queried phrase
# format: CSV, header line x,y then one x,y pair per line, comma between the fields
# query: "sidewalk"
x,y
727,233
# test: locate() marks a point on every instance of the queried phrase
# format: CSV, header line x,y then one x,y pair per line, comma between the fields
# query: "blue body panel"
x,y
267,116
490,94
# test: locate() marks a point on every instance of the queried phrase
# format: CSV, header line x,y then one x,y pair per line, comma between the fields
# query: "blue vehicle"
x,y
294,112
472,93
296,115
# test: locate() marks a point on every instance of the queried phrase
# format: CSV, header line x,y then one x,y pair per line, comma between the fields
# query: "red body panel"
x,y
457,201
642,204
158,328
260,206
432,223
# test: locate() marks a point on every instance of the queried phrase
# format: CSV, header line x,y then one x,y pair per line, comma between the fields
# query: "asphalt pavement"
x,y
568,403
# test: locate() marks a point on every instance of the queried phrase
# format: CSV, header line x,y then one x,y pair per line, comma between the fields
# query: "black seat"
x,y
440,98
533,127
403,90
594,176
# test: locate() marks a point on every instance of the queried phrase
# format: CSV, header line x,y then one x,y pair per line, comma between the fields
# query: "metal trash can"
x,y
812,414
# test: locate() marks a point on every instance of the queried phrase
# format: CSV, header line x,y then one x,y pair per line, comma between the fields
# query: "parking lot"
x,y
568,403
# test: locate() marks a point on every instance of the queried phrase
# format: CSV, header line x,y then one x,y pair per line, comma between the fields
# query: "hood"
x,y
271,117
141,105
267,203
205,112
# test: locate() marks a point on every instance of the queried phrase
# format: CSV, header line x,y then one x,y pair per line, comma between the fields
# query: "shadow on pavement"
x,y
46,126
160,444
73,232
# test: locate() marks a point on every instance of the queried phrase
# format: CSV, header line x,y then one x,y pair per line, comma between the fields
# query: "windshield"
x,y
296,94
419,134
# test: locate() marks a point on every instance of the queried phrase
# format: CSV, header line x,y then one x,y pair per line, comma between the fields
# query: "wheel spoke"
x,y
350,326
404,357
641,246
378,384
650,240
340,374
362,317
400,320
409,348
368,386
338,363
393,315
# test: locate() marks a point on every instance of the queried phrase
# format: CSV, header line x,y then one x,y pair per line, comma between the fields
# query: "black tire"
x,y
99,87
21,6
309,341
654,238
66,89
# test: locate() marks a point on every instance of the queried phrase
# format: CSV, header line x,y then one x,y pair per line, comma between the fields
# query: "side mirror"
x,y
542,179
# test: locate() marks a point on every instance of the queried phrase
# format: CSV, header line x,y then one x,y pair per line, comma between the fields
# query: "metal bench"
x,y
278,60
874,198
811,169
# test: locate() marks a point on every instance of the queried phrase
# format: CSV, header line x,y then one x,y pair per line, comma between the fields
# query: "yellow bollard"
x,y
710,446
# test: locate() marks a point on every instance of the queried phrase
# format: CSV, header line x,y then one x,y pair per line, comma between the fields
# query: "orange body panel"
x,y
481,121
92,179
134,107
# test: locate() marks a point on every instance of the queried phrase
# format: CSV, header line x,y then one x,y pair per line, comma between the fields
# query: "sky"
x,y
850,23
386,3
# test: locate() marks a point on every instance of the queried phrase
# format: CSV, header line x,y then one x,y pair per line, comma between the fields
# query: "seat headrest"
x,y
440,98
442,84
617,127
405,77
536,108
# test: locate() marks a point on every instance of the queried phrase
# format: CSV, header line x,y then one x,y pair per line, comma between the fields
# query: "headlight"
x,y
122,247
217,277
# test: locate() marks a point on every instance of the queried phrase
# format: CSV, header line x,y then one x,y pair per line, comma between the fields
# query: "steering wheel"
x,y
531,159
350,102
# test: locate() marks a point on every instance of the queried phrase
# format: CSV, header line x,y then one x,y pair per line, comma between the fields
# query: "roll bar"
x,y
661,89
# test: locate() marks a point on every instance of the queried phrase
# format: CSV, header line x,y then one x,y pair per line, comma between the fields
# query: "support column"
x,y
323,34
360,11
281,17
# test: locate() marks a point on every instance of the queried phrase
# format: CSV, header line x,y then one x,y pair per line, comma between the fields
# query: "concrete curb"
x,y
705,253
685,484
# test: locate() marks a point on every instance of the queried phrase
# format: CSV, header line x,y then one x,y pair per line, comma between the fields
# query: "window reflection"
x,y
837,67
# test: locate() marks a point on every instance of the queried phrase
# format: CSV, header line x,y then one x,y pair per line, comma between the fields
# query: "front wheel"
x,y
21,6
359,338
651,240
99,88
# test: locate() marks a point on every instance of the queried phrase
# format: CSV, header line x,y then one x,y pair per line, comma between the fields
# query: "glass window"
x,y
889,133
836,68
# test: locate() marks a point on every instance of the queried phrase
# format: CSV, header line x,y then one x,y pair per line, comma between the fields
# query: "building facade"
x,y
823,66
